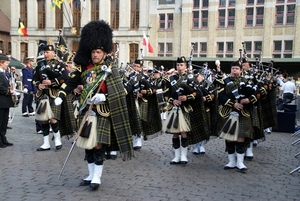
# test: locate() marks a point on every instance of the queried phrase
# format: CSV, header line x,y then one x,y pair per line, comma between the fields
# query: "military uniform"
x,y
54,71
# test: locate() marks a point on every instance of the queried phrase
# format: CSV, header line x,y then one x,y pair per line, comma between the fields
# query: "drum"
x,y
160,97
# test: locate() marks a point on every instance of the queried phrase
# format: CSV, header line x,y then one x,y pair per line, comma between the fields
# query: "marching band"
x,y
192,103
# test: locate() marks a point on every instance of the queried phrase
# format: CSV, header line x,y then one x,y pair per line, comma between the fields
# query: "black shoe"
x,y
42,149
228,168
94,186
8,143
85,183
25,115
58,147
2,145
248,158
8,127
136,148
183,162
174,163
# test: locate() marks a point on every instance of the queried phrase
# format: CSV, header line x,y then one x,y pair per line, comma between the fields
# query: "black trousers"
x,y
4,113
27,103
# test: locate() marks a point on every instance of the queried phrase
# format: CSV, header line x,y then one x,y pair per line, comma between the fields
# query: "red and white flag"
x,y
147,43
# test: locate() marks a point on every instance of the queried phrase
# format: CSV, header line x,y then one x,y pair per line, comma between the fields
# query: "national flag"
x,y
147,44
22,30
58,3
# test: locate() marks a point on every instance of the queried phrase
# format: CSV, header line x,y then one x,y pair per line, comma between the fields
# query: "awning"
x,y
16,63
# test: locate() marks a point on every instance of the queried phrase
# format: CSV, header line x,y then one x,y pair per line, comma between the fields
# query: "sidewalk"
x,y
28,175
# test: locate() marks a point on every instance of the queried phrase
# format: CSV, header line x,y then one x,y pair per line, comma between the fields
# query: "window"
x,y
250,2
163,24
260,1
276,56
229,47
76,16
231,15
226,14
41,14
1,46
59,18
221,18
279,15
195,19
196,3
222,3
287,55
249,16
290,14
285,12
9,48
204,21
134,52
288,46
248,46
200,14
277,46
169,52
161,49
24,51
204,3
170,21
196,50
259,16
135,14
162,2
203,47
162,21
165,49
231,3
23,12
220,47
254,13
114,13
95,10
257,46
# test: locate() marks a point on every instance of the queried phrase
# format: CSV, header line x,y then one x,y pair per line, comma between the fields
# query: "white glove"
x,y
58,101
25,90
98,98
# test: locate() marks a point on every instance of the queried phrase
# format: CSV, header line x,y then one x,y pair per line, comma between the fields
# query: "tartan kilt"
x,y
245,126
143,106
200,123
104,130
56,109
134,120
153,123
68,122
255,117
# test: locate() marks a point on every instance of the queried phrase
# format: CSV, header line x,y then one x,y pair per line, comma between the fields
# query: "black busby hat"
x,y
181,59
48,48
236,63
94,35
138,61
245,60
